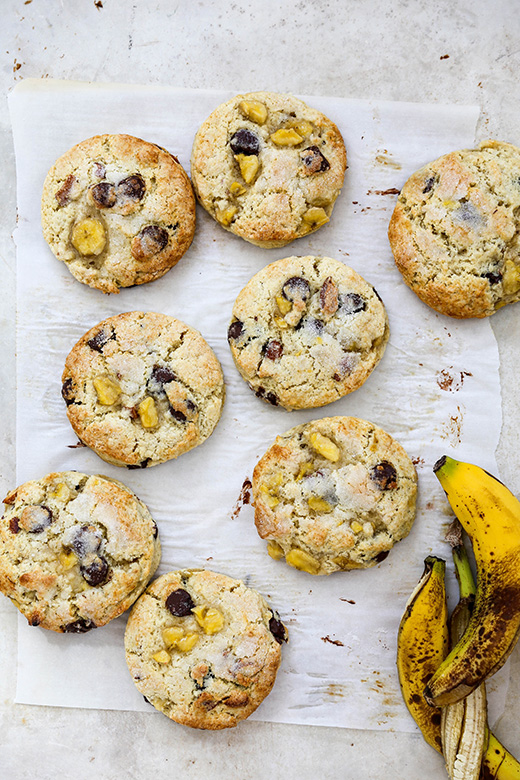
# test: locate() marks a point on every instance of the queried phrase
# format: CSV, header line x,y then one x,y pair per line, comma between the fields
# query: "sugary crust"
x,y
326,344
167,203
270,211
455,231
41,568
188,407
226,675
369,493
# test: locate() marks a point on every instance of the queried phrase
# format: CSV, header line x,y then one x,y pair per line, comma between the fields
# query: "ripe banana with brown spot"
x,y
490,515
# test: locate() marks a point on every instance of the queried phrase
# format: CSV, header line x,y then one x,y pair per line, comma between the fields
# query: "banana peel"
x,y
490,514
422,644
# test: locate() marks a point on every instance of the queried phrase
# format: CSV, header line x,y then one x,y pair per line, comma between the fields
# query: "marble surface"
x,y
397,50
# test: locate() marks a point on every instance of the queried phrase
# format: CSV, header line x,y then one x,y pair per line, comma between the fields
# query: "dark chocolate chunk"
x,y
162,375
150,241
155,530
329,300
94,570
177,414
99,170
352,303
35,620
384,475
428,184
14,525
142,465
103,195
382,556
273,350
259,392
98,341
311,324
493,278
296,288
79,626
132,187
67,391
41,518
313,160
180,603
271,397
278,630
244,142
235,330
86,540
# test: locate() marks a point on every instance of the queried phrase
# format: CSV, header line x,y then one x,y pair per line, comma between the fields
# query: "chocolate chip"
x,y
180,603
493,278
382,556
313,160
36,519
14,525
244,142
84,540
94,570
329,296
311,324
132,187
384,475
162,375
278,630
103,195
142,465
428,184
259,392
150,241
98,341
80,626
155,530
177,414
296,288
35,620
190,406
352,303
271,397
67,392
62,196
273,350
99,170
235,330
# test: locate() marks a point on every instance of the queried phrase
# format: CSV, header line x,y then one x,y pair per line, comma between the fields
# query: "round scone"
x,y
306,331
334,494
118,211
203,648
75,550
142,388
268,167
455,231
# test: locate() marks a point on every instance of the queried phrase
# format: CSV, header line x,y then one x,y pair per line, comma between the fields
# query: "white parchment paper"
x,y
436,390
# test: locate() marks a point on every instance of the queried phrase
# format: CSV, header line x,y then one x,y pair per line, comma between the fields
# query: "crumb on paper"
x,y
418,461
389,191
444,57
452,430
450,380
243,498
332,641
349,601
74,446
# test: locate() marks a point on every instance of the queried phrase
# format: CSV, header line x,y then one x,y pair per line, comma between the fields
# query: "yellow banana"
x,y
490,514
421,646
498,763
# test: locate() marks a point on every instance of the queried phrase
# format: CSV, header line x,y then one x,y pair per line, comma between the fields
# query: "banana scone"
x,y
203,648
306,331
268,167
142,388
76,550
118,211
334,494
455,231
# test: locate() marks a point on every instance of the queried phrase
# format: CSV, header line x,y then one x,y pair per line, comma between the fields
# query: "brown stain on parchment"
x,y
450,380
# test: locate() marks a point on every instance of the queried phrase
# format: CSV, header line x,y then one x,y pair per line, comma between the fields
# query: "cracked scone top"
x,y
142,388
203,648
306,331
455,231
75,550
268,167
119,211
334,494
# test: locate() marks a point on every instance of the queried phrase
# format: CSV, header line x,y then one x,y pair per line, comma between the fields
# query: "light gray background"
x,y
389,50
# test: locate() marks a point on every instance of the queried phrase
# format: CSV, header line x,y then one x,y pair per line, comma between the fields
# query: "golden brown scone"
x,y
306,331
142,388
119,211
334,494
75,550
268,167
203,648
455,231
